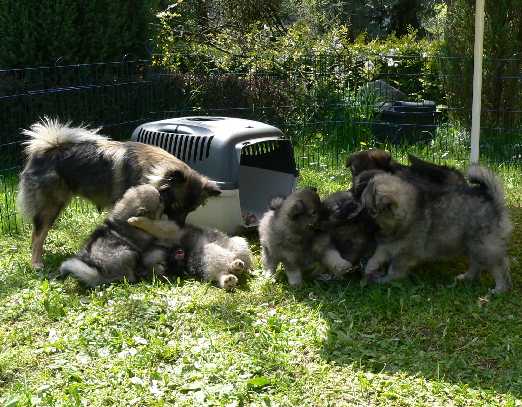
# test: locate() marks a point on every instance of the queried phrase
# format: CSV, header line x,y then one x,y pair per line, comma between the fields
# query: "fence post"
x,y
477,80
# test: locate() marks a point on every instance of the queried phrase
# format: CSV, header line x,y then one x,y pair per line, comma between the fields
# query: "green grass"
x,y
423,341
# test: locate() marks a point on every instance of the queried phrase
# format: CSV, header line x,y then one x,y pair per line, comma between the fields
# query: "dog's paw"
x,y
229,282
341,268
238,266
466,277
135,220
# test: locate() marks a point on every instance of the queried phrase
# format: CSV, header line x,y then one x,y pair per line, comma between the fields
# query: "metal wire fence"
x,y
326,109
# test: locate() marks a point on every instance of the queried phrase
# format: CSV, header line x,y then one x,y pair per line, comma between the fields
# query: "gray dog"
x,y
418,225
116,250
289,234
207,254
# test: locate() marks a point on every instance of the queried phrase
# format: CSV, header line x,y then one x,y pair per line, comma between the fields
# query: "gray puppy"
x,y
418,225
289,234
207,254
116,250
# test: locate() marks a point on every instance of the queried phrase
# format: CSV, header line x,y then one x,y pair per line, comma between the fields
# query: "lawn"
x,y
423,341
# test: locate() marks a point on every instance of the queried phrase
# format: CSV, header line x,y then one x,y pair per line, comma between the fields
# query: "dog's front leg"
x,y
294,275
330,256
159,228
399,268
379,258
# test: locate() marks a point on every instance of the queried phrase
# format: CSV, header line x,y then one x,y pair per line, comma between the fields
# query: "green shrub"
x,y
501,97
38,32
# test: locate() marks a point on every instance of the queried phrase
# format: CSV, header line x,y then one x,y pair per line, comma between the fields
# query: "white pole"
x,y
477,80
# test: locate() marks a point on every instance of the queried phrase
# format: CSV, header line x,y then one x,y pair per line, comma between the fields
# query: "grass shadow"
x,y
427,325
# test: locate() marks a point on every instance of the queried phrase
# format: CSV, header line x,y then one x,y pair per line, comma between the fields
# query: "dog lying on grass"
x,y
64,161
206,254
115,250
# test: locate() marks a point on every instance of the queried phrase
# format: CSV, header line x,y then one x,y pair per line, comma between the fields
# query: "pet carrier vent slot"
x,y
208,146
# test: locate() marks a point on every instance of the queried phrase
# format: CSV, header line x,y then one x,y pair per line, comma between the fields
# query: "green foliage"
x,y
41,31
501,96
305,76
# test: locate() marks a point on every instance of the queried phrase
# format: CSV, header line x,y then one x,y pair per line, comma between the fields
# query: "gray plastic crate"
x,y
252,162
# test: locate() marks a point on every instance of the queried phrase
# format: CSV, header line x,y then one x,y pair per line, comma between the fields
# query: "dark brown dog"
x,y
376,159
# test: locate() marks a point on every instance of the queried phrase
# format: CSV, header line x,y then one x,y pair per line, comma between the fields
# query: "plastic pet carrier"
x,y
402,122
250,161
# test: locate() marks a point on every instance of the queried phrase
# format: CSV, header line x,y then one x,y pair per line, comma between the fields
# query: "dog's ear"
x,y
350,209
211,189
177,177
348,161
172,178
382,159
296,209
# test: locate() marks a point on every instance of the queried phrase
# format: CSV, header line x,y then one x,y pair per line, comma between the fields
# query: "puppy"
x,y
351,229
376,159
289,234
116,250
64,161
417,226
207,254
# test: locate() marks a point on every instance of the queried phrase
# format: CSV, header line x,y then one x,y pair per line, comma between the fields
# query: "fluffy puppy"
x,y
64,161
376,159
207,254
116,250
351,229
289,234
417,226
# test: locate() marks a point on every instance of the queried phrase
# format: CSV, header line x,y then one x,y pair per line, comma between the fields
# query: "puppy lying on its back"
x,y
289,233
116,250
207,254
417,224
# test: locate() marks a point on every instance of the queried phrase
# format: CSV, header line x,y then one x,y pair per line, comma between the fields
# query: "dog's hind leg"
x,y
398,268
269,261
502,276
42,222
240,250
490,255
473,272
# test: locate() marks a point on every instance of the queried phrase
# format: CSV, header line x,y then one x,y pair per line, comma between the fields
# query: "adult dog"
x,y
64,161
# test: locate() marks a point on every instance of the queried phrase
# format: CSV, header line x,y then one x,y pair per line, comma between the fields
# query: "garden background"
x,y
304,67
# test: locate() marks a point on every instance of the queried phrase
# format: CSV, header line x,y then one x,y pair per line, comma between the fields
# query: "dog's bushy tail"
x,y
492,185
87,275
50,133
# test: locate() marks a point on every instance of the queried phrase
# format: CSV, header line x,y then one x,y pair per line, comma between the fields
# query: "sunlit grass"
x,y
424,341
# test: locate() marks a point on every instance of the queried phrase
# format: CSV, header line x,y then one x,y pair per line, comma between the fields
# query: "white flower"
x,y
136,380
140,341
53,335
